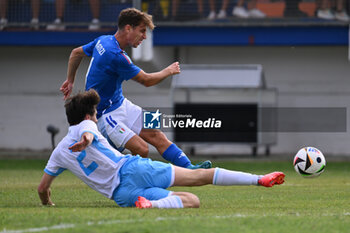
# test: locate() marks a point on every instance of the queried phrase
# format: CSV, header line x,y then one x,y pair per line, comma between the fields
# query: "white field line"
x,y
70,226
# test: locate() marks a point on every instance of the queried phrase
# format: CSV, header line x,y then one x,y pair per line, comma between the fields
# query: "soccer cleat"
x,y
206,165
271,179
143,203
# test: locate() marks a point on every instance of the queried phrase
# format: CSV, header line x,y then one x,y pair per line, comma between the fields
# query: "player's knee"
x,y
189,200
194,201
143,151
156,138
137,147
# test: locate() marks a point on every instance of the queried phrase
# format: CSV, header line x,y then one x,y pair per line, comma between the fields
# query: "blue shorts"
x,y
143,177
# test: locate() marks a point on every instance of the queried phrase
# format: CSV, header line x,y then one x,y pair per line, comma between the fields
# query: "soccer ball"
x,y
309,162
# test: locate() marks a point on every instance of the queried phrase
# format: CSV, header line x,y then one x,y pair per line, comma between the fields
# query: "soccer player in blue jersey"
x,y
119,120
126,179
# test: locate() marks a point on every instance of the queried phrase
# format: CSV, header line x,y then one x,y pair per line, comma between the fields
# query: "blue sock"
x,y
176,156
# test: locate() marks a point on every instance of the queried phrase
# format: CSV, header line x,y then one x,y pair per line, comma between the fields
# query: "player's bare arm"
x,y
75,58
86,140
44,190
151,79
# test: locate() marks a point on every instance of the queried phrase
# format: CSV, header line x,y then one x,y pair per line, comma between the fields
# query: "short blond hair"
x,y
134,17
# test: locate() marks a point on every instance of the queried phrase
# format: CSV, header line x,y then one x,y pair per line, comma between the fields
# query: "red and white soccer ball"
x,y
309,162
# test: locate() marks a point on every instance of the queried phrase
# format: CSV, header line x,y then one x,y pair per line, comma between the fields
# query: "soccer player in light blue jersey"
x,y
126,179
119,120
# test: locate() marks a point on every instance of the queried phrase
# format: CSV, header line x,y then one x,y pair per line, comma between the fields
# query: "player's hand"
x,y
45,198
80,146
174,68
66,89
50,203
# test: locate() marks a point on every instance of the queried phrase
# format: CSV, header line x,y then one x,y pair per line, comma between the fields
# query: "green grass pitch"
x,y
300,205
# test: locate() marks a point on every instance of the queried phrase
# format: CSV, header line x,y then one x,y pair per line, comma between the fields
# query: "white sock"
x,y
171,201
226,177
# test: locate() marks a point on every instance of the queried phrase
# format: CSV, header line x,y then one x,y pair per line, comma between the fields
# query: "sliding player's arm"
x,y
151,79
85,141
75,58
44,190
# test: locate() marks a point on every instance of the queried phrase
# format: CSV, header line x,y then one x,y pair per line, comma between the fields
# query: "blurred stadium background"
x,y
304,55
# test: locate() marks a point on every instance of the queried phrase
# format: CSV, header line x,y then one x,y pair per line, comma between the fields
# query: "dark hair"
x,y
134,18
81,104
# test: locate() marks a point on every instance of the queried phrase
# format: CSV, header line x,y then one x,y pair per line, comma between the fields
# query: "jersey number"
x,y
89,169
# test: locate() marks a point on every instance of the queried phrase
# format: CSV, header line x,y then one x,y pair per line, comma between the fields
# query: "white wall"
x,y
305,77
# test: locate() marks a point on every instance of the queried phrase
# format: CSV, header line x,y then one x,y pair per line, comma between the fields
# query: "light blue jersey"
x,y
109,67
107,171
97,165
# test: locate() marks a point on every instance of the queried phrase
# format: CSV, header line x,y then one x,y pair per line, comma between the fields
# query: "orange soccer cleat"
x,y
271,179
143,203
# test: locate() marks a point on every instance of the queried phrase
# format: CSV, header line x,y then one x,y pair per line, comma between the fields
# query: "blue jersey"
x,y
109,67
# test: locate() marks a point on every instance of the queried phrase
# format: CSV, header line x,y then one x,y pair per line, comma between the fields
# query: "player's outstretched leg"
x,y
217,176
220,176
169,150
271,179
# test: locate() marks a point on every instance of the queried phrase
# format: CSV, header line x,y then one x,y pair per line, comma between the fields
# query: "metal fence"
x,y
96,14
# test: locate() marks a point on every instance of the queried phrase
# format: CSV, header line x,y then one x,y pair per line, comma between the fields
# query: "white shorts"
x,y
120,125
